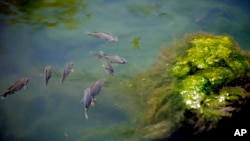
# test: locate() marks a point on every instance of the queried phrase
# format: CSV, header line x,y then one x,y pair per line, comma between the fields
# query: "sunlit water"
x,y
44,34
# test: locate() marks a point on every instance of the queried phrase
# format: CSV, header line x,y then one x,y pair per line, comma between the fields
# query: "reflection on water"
x,y
34,34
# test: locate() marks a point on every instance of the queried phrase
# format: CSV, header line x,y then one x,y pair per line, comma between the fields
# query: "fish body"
x,y
104,36
47,74
86,100
108,68
20,84
68,68
113,59
89,95
95,89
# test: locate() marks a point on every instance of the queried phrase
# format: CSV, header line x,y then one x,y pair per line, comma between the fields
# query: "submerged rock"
x,y
198,81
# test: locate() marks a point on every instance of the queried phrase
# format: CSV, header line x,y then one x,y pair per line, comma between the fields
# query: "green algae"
x,y
46,13
136,42
201,75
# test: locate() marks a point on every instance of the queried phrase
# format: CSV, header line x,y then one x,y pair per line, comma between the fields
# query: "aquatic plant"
x,y
198,81
46,13
136,42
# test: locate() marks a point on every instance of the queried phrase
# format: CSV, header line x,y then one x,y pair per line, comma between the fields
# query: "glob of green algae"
x,y
202,75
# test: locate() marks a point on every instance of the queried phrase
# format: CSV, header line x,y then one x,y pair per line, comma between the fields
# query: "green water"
x,y
52,32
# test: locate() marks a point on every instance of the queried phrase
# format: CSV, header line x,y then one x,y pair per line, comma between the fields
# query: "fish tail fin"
x,y
82,100
86,113
3,96
87,33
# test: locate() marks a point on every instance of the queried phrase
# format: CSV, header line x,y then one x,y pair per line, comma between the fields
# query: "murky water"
x,y
52,32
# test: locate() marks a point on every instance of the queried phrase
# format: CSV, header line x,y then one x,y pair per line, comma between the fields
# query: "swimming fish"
x,y
104,36
20,84
95,90
108,68
47,74
87,101
212,13
68,68
113,59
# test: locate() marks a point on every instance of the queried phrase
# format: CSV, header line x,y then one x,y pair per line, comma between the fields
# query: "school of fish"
x,y
90,93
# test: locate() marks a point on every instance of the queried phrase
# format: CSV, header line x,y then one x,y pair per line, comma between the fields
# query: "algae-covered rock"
x,y
201,75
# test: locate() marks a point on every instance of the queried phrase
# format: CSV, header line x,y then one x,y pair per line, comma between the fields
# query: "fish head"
x,y
101,82
71,65
48,67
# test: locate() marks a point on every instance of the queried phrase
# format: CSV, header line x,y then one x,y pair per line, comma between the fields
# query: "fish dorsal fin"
x,y
117,57
101,52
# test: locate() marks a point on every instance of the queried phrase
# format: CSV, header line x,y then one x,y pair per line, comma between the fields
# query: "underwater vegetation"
x,y
136,42
198,81
47,13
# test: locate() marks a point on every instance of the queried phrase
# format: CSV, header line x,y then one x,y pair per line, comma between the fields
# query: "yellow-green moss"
x,y
200,74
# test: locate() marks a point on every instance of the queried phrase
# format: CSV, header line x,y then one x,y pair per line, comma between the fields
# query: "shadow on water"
x,y
45,13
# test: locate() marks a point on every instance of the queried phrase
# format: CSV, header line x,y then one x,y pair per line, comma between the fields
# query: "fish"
x,y
20,84
87,101
212,13
113,59
47,74
95,90
68,68
108,68
104,36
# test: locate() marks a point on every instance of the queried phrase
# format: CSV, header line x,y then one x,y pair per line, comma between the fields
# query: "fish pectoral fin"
x,y
3,97
101,52
86,113
81,100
